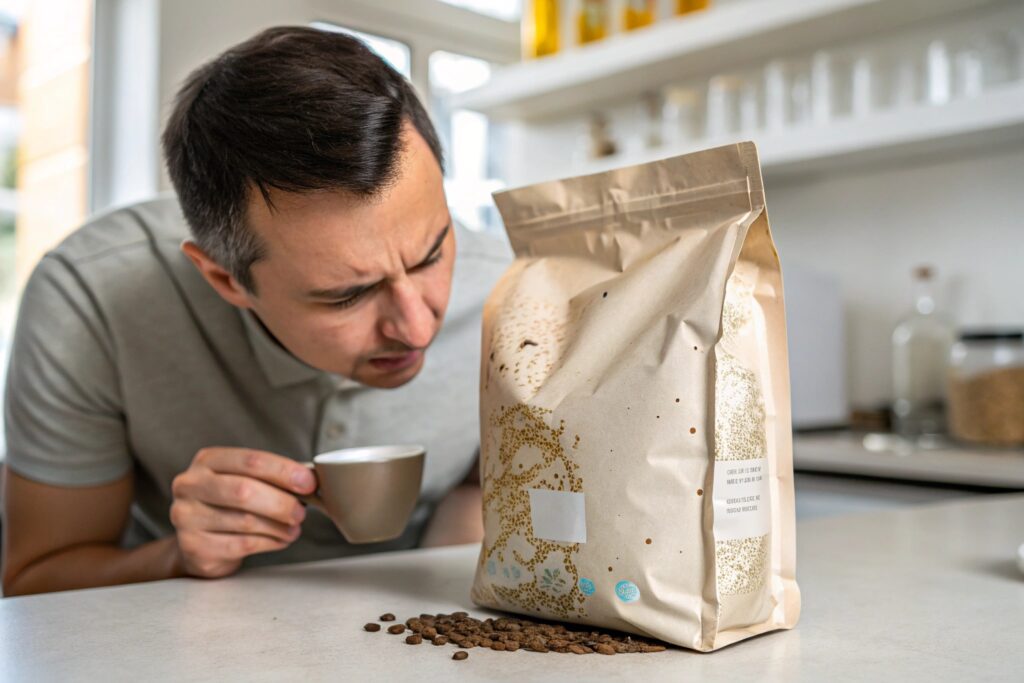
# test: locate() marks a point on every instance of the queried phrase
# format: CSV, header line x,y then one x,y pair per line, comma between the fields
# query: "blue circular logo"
x,y
587,586
627,591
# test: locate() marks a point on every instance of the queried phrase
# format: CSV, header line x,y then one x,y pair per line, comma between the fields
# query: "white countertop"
x,y
947,463
922,594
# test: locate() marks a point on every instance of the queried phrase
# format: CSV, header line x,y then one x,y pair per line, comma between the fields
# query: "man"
x,y
179,385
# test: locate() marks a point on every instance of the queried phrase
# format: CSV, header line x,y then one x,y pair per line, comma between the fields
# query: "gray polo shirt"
x,y
126,360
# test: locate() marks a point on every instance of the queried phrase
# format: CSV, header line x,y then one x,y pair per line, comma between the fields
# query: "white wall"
x,y
964,215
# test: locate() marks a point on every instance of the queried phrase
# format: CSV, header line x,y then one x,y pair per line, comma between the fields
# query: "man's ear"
x,y
221,280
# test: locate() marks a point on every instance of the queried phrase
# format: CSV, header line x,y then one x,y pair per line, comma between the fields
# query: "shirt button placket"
x,y
332,428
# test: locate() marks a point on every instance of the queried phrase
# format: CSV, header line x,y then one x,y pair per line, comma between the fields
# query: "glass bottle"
x,y
592,21
540,28
687,6
920,347
601,142
637,13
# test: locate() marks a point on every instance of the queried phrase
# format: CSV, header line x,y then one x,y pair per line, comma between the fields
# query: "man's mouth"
x,y
396,362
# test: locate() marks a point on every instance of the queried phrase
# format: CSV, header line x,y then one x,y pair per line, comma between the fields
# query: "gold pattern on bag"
x,y
530,456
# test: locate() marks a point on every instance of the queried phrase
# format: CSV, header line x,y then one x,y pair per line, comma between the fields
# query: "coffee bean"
x,y
460,655
510,633
396,629
371,627
387,617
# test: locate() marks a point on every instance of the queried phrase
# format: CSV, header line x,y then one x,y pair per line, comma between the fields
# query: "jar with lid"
x,y
986,387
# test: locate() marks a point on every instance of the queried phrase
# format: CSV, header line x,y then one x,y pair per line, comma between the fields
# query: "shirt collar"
x,y
280,367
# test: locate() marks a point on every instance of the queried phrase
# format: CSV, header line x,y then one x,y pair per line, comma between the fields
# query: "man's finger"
x,y
204,517
228,547
245,494
274,469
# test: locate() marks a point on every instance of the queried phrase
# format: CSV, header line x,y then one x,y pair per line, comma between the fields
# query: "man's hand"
x,y
235,502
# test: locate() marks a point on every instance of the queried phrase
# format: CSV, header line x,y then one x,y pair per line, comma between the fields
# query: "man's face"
x,y
358,287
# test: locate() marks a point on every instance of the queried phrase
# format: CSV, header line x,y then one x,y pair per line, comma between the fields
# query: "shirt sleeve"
x,y
65,424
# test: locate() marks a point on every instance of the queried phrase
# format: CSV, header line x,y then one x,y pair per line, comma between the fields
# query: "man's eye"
x,y
432,260
345,303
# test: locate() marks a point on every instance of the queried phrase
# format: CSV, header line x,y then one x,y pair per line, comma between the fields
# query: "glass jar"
x,y
986,387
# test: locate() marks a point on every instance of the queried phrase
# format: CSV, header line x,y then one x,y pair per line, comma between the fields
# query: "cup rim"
x,y
365,454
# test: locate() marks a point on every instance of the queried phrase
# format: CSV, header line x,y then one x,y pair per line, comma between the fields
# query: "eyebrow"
x,y
339,294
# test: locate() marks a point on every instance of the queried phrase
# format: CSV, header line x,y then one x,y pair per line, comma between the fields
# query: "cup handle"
x,y
314,498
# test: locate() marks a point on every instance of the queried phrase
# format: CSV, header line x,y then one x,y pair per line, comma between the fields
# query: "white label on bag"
x,y
558,516
741,500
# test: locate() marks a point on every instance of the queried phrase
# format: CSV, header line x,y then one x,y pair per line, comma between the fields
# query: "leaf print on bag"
x,y
553,581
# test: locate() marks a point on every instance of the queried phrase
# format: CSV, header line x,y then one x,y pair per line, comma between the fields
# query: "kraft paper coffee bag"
x,y
636,456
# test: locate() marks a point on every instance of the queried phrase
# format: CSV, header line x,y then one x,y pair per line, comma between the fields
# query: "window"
x,y
393,52
468,137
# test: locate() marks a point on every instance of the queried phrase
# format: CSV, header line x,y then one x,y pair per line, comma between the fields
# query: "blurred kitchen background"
x,y
891,134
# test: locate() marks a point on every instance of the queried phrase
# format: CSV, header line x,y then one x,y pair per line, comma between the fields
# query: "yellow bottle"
x,y
687,6
592,21
637,13
540,28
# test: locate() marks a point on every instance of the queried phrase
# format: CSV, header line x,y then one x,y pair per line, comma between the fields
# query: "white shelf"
x,y
704,43
992,119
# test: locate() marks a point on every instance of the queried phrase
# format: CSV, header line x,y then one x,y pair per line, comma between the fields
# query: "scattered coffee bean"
x,y
460,655
387,617
509,634
371,627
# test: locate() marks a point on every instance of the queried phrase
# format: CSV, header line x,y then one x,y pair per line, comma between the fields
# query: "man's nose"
x,y
410,319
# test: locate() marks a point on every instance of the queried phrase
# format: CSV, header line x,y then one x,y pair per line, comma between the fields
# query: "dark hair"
x,y
295,109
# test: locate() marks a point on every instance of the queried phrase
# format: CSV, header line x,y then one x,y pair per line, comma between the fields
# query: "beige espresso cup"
x,y
369,492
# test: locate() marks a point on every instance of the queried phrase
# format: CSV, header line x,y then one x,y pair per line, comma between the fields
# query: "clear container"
x,y
920,347
986,387
683,115
734,105
787,94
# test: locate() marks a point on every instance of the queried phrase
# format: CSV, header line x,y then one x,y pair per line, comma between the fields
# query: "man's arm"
x,y
230,503
458,518
62,538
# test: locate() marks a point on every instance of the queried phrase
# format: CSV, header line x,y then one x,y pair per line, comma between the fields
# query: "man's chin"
x,y
382,378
